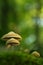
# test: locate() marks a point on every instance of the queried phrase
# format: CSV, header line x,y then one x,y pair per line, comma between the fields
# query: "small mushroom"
x,y
11,35
26,50
36,54
12,42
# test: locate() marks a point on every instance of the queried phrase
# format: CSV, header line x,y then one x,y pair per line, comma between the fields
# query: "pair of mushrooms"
x,y
11,39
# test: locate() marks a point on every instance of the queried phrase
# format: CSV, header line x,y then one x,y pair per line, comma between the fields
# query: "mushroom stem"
x,y
8,46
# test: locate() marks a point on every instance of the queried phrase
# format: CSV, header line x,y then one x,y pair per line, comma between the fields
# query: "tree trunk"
x,y
4,22
37,26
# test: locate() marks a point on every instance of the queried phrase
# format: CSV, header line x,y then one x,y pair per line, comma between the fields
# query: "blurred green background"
x,y
24,17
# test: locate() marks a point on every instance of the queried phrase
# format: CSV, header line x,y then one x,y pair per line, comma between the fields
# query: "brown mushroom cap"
x,y
11,35
12,41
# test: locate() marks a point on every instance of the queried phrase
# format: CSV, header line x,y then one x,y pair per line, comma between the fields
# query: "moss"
x,y
12,57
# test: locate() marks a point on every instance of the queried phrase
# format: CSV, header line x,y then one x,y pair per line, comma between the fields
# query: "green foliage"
x,y
19,16
12,57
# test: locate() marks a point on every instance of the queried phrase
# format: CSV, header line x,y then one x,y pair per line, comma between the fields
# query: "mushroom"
x,y
26,50
36,54
12,42
11,35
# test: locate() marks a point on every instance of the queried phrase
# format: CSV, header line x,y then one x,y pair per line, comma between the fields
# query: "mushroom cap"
x,y
12,41
11,35
35,53
26,50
